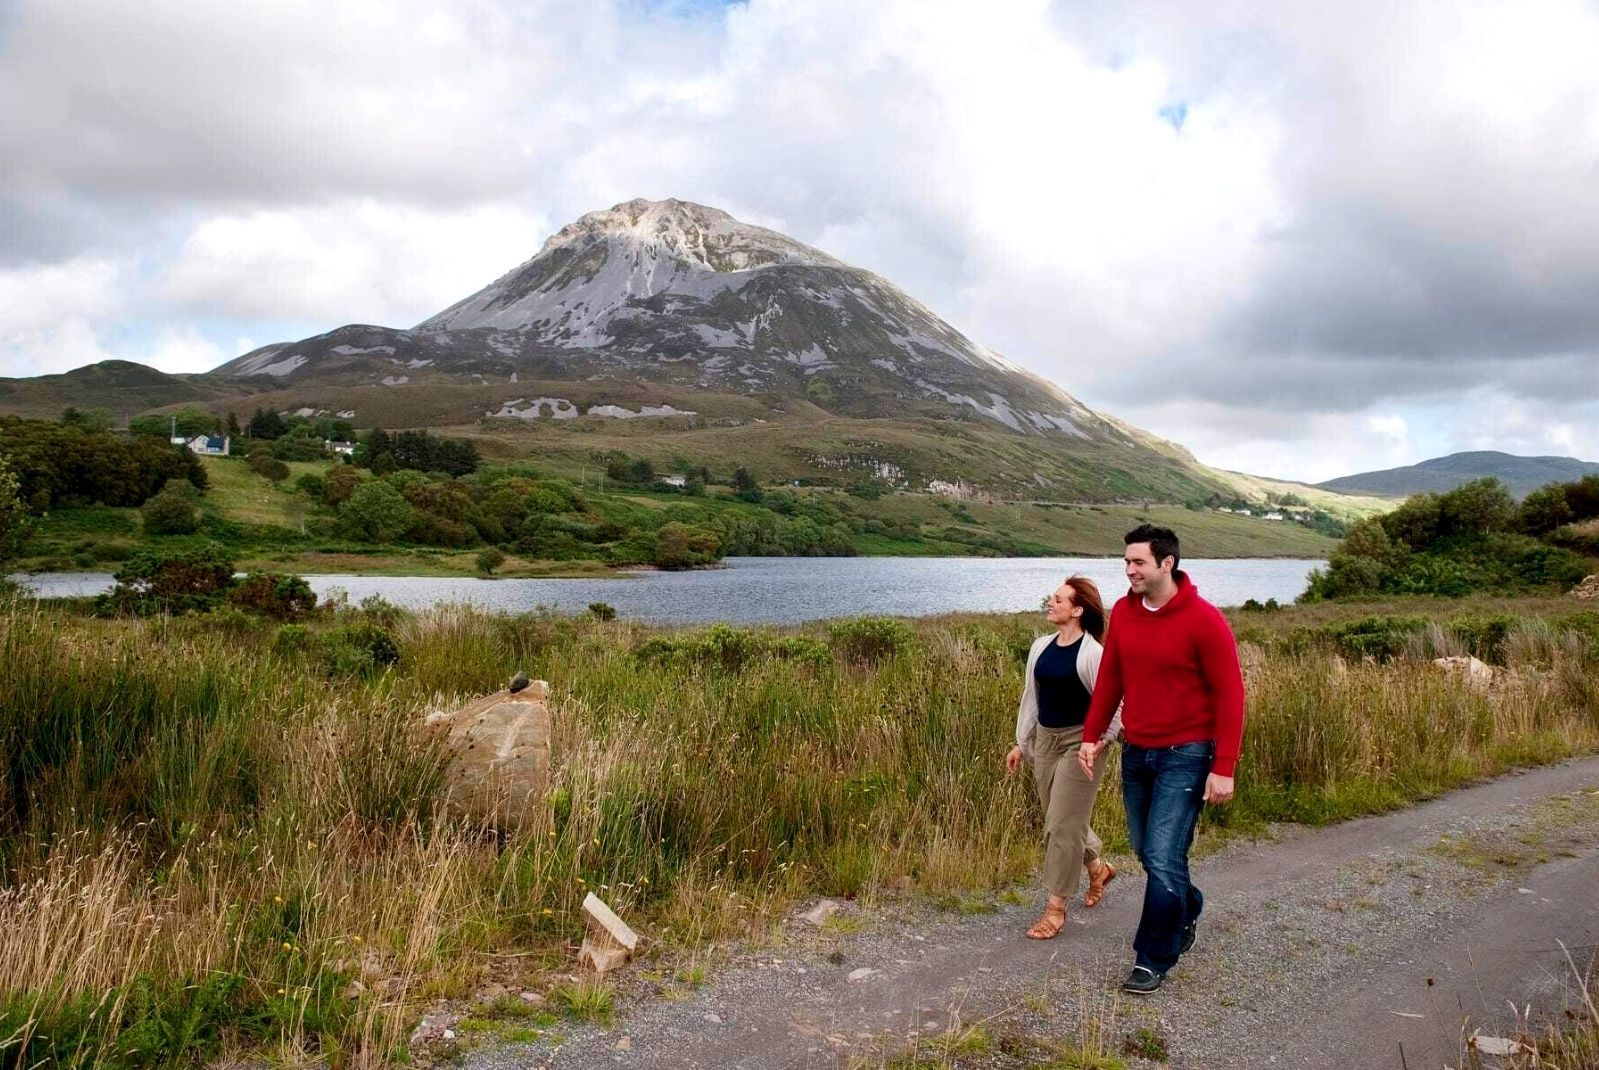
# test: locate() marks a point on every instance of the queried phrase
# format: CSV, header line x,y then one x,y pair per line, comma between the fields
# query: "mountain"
x,y
1519,474
678,293
122,386
673,331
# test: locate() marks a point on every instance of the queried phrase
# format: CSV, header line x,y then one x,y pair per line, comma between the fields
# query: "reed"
x,y
217,835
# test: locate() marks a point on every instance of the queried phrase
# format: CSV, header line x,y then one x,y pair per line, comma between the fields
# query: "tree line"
x,y
1470,539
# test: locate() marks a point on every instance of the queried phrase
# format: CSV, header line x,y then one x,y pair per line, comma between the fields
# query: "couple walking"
x,y
1163,672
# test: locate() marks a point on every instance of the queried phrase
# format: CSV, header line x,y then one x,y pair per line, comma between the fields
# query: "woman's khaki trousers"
x,y
1067,797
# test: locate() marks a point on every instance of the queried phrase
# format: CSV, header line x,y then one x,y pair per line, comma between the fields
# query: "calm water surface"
x,y
789,589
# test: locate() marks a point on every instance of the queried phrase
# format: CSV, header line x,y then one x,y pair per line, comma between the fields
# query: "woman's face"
x,y
1062,606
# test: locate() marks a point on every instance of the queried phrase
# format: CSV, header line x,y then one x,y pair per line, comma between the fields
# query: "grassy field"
x,y
277,527
219,834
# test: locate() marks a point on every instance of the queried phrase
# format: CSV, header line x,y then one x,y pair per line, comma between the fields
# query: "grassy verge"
x,y
219,834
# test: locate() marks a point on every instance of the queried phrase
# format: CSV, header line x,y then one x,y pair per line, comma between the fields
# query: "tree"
x,y
171,583
745,486
678,545
96,419
376,512
171,512
268,467
14,519
1476,508
266,423
641,471
231,428
1544,510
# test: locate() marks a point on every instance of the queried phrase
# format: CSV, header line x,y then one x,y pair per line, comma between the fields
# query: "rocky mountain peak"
x,y
694,234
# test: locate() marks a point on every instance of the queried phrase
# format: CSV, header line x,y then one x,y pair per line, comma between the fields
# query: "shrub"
x,y
171,512
291,639
376,512
730,649
183,582
869,639
490,558
358,649
602,611
267,466
312,486
275,595
681,546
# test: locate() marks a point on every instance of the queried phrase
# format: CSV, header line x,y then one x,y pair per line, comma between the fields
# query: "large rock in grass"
x,y
1476,673
500,755
1587,590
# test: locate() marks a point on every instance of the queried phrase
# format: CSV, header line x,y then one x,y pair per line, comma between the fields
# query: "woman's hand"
x,y
1013,760
1085,757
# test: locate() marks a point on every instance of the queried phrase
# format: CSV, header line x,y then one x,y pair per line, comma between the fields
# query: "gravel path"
x,y
1382,942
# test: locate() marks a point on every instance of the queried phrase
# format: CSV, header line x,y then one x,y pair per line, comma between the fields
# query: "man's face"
x,y
1142,568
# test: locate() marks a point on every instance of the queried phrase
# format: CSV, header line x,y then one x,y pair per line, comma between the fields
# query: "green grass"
x,y
212,797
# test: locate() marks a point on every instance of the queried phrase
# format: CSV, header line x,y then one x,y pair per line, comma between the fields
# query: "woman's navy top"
x,y
1062,698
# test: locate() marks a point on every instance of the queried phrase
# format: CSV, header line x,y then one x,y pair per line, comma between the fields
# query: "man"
x,y
1171,661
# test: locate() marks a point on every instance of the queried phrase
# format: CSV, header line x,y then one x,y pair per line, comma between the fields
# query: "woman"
x,y
1061,669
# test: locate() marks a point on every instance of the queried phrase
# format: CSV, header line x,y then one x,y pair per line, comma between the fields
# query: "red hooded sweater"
x,y
1175,671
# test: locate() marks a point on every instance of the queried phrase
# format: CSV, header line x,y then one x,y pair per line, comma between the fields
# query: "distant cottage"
x,y
345,448
207,445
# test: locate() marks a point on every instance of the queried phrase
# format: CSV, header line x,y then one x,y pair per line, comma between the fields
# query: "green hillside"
x,y
282,527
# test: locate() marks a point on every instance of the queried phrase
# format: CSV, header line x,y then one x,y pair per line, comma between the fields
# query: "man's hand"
x,y
1085,757
1013,760
1218,789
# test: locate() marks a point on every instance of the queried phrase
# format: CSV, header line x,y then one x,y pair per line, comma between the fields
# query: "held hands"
x,y
1218,789
1085,757
1013,760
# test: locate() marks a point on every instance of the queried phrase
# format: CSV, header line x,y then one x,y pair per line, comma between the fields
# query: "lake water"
x,y
787,590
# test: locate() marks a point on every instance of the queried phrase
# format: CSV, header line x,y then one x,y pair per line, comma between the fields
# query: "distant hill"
x,y
1520,474
122,386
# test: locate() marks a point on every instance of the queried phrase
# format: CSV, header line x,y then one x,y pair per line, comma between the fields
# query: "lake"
x,y
787,590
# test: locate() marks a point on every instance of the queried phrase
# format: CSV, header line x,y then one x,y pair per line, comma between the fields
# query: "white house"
x,y
208,445
344,448
674,480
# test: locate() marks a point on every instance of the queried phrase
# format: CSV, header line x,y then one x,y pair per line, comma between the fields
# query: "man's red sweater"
x,y
1175,671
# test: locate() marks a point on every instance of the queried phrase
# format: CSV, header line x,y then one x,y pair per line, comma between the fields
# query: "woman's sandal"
x,y
1049,924
1098,881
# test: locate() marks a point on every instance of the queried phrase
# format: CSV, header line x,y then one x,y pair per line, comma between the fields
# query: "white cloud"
x,y
356,262
1261,230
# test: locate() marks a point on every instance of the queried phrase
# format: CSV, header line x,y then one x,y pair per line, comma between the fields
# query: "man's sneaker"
x,y
1142,980
1190,934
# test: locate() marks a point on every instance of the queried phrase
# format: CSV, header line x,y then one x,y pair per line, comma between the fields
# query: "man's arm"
x,y
1218,657
1102,704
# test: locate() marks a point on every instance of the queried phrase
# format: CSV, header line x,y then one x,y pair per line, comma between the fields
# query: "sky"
x,y
1302,239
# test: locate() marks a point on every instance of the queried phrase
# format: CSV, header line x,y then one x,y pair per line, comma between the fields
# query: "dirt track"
x,y
1337,947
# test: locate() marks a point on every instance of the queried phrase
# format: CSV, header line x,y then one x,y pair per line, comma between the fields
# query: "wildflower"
x,y
281,992
547,912
355,939
278,899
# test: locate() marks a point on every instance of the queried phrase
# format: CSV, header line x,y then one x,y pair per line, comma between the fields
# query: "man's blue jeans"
x,y
1164,790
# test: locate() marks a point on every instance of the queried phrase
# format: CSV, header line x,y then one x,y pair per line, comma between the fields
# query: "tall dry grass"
x,y
217,835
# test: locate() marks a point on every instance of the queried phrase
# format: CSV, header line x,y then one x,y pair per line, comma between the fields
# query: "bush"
x,y
376,512
869,639
171,512
185,582
678,545
275,595
730,649
602,611
490,558
358,649
267,466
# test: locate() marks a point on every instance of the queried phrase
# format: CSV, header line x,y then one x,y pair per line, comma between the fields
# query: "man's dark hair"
x,y
1162,543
